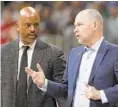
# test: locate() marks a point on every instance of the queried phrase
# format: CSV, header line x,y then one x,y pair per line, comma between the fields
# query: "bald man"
x,y
91,75
18,89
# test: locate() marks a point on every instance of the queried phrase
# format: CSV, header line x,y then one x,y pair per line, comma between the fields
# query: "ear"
x,y
95,25
17,26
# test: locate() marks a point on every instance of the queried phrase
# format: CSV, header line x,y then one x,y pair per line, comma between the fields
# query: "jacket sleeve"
x,y
112,92
58,68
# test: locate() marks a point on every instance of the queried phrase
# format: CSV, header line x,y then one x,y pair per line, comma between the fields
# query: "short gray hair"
x,y
94,14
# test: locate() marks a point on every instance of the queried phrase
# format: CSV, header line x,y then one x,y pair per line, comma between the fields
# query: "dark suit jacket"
x,y
52,62
104,75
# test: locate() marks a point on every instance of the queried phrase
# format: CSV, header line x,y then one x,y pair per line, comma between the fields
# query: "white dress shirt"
x,y
86,65
29,54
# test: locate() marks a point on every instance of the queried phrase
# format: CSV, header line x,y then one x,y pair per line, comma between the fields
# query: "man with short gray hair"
x,y
91,76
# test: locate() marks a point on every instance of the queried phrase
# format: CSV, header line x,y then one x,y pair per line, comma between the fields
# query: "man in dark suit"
x,y
18,90
91,75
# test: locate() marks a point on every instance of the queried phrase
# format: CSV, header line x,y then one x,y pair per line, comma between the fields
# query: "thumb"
x,y
39,67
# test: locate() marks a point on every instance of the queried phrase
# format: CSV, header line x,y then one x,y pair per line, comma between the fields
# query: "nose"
x,y
32,29
75,30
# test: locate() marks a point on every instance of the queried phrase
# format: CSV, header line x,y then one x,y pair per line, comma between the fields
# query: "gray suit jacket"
x,y
52,62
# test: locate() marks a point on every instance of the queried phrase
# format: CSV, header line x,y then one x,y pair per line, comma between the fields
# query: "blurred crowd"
x,y
57,20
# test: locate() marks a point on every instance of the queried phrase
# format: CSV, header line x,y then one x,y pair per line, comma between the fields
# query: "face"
x,y
83,29
28,28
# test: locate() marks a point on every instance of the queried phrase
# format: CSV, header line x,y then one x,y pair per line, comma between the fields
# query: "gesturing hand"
x,y
37,77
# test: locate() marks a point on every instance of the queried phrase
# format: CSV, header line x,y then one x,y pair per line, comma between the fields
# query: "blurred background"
x,y
57,20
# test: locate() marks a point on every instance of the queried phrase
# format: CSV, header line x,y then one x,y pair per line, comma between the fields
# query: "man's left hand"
x,y
92,93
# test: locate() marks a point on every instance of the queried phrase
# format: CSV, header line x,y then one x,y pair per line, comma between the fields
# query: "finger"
x,y
39,67
29,71
87,95
86,85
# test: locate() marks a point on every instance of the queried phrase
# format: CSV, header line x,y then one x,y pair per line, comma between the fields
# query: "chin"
x,y
29,41
80,41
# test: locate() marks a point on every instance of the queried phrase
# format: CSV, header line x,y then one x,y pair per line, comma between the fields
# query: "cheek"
x,y
24,31
83,32
37,30
87,32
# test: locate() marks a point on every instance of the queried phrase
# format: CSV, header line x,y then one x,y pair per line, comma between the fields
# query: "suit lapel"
x,y
37,56
78,58
14,60
100,56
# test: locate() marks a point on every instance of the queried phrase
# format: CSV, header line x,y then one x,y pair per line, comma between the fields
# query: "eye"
x,y
79,24
27,25
36,25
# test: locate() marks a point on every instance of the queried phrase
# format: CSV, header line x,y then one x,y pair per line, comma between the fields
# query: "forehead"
x,y
29,19
82,18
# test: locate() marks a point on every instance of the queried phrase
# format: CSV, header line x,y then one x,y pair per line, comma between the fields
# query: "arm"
x,y
53,89
58,67
58,89
112,92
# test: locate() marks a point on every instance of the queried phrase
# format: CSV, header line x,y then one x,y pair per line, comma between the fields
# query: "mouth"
x,y
77,35
32,36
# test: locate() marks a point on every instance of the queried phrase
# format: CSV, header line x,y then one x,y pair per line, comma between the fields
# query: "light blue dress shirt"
x,y
86,65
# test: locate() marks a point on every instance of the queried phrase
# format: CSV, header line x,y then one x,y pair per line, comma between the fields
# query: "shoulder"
x,y
55,51
54,48
50,48
113,48
77,49
8,46
45,45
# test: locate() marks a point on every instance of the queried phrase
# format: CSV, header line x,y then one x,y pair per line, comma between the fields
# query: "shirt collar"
x,y
32,45
95,46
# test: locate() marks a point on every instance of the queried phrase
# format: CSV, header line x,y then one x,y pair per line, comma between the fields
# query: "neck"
x,y
93,41
27,43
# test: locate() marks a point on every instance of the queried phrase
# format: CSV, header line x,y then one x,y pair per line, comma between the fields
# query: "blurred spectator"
x,y
69,38
100,6
60,15
77,6
8,31
47,26
112,22
57,18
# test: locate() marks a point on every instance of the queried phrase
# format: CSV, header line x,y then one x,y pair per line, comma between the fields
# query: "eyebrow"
x,y
31,23
78,23
27,23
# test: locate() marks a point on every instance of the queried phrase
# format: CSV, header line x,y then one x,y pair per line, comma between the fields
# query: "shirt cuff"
x,y
103,97
44,87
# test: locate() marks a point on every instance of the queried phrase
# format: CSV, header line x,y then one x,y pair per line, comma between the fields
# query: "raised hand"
x,y
37,77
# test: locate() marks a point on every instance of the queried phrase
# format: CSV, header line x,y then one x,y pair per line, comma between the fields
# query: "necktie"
x,y
21,100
